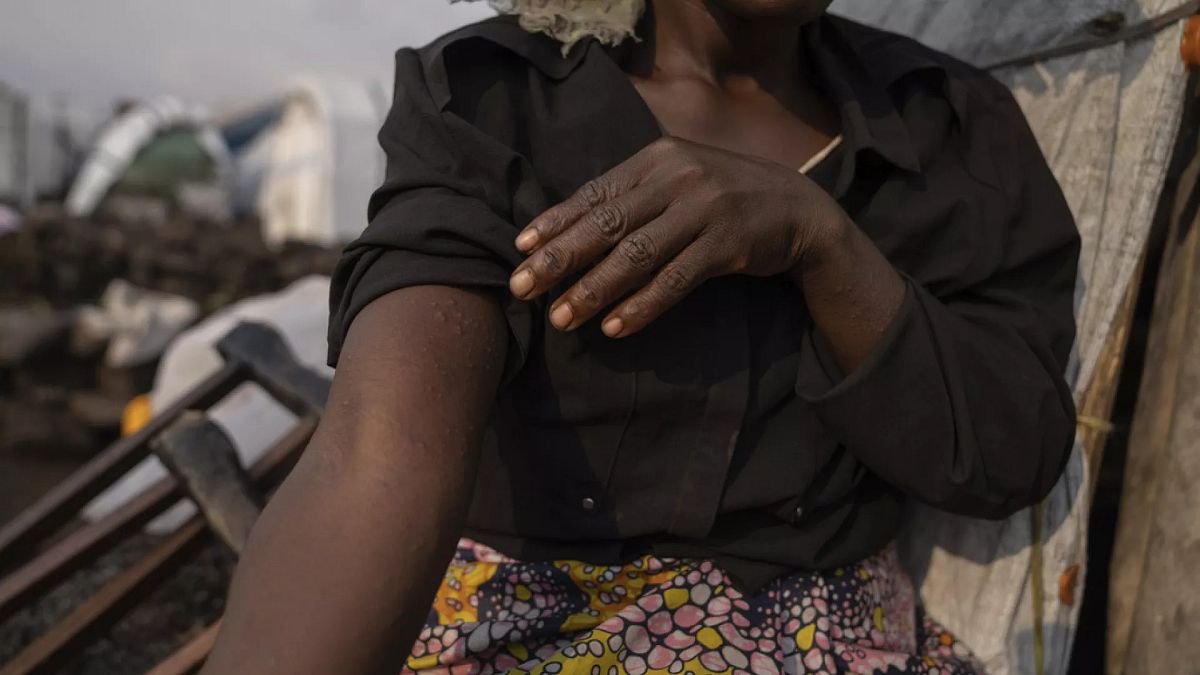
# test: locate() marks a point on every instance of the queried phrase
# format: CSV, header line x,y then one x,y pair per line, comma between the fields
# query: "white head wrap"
x,y
569,21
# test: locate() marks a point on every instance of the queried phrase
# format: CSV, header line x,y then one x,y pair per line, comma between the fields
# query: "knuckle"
x,y
585,293
720,239
637,310
593,193
609,220
552,223
555,260
677,279
639,250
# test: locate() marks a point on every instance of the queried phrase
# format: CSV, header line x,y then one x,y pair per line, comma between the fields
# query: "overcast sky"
x,y
214,52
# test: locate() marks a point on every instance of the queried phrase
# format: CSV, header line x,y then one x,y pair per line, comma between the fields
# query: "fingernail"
x,y
561,316
527,240
613,327
521,283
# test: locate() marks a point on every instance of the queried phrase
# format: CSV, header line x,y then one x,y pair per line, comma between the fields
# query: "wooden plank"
x,y
63,503
1096,408
115,597
1154,603
52,649
204,459
1148,600
191,656
73,552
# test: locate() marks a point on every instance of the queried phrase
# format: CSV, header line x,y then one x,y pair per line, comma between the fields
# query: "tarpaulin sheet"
x,y
1106,120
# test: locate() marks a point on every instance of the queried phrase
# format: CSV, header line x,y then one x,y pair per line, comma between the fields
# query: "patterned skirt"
x,y
678,616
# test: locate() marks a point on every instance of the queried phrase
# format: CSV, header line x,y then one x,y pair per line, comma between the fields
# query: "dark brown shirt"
x,y
725,430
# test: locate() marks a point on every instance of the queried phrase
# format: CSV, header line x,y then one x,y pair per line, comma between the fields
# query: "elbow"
x,y
987,501
1019,469
1053,443
993,500
1004,501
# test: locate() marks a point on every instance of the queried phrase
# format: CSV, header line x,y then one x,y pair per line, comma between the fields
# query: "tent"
x,y
1107,118
247,134
320,161
305,165
152,148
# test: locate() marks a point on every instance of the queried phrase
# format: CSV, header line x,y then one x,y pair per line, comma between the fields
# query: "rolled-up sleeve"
x,y
441,216
963,403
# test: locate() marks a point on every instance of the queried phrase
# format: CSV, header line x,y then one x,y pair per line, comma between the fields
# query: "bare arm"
x,y
340,571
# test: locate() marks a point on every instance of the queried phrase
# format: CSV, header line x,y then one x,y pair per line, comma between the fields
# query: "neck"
x,y
698,39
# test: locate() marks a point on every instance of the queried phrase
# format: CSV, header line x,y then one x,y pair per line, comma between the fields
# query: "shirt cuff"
x,y
821,382
891,402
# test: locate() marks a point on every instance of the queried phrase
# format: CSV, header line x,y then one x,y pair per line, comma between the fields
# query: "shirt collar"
x,y
856,66
542,52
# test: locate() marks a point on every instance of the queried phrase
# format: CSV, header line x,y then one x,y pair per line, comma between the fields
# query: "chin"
x,y
795,10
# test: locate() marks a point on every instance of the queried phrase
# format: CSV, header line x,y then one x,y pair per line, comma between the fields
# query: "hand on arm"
x,y
341,569
679,213
967,404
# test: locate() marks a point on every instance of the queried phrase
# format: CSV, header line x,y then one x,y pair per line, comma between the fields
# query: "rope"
x,y
1095,424
1037,574
1137,31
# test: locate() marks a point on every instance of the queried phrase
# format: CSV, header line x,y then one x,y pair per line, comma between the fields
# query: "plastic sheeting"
x,y
253,420
1106,120
137,323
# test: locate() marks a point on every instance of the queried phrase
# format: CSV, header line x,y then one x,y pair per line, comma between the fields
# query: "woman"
x,y
669,330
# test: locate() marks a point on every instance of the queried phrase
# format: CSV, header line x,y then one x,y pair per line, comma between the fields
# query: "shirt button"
x,y
799,512
589,504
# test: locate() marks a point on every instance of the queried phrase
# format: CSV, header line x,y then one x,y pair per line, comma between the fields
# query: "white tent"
x,y
323,162
1107,119
126,136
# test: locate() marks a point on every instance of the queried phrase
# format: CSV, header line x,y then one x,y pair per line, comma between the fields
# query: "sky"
x,y
216,53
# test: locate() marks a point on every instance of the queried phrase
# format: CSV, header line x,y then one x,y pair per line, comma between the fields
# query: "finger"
x,y
612,184
673,283
629,265
587,240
